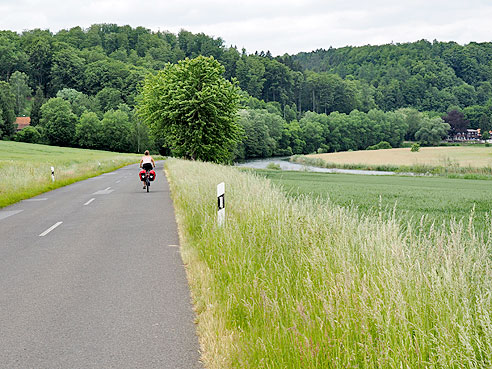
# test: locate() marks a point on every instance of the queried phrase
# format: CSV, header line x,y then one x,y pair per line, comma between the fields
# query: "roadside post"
x,y
221,203
53,174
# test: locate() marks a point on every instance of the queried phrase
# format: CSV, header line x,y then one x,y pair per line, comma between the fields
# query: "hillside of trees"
x,y
80,87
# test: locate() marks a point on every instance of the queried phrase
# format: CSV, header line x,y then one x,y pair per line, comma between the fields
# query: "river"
x,y
285,164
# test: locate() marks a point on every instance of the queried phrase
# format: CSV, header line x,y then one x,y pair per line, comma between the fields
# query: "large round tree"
x,y
58,121
193,108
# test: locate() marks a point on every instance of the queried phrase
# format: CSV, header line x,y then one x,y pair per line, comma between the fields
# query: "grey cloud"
x,y
276,25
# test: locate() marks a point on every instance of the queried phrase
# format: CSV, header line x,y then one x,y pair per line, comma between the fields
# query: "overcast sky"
x,y
281,26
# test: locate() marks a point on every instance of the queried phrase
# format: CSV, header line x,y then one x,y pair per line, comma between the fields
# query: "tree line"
x,y
98,70
267,133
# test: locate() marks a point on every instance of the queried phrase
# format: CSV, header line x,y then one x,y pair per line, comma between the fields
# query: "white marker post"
x,y
221,203
53,174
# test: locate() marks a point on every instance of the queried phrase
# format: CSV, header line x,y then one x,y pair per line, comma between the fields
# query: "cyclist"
x,y
147,163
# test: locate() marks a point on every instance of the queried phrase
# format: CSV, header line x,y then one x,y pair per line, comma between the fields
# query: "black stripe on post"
x,y
221,201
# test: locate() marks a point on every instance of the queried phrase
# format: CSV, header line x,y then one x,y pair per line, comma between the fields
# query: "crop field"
x,y
477,156
422,201
25,169
300,282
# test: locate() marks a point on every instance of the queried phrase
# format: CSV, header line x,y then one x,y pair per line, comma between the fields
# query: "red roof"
x,y
22,122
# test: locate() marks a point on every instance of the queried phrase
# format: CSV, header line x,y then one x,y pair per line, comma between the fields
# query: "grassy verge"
x,y
451,170
302,283
25,169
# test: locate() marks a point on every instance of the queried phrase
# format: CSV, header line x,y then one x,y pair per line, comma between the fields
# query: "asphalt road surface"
x,y
91,277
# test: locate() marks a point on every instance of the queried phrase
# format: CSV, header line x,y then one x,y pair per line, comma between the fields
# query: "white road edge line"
x,y
88,202
50,229
107,189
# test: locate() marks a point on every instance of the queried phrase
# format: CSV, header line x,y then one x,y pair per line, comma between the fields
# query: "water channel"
x,y
285,164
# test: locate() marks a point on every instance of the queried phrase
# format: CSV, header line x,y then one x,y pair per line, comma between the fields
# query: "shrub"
x,y
380,146
415,147
29,134
273,166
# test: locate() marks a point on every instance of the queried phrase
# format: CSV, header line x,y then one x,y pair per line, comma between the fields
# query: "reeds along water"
x,y
301,283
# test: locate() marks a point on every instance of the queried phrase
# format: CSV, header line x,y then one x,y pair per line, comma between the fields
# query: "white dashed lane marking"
x,y
50,229
88,202
106,191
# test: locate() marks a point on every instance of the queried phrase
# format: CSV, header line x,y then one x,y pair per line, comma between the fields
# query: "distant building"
x,y
22,122
469,135
473,134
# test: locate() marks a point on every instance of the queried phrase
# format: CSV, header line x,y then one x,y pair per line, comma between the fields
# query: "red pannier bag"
x,y
141,174
151,175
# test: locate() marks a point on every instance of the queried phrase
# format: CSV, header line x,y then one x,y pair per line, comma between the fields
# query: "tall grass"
x,y
25,169
301,283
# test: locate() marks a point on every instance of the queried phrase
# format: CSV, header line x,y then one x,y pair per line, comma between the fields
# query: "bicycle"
x,y
147,176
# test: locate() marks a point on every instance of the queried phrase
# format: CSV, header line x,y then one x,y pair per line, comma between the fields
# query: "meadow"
x,y
421,201
25,169
301,282
471,160
473,156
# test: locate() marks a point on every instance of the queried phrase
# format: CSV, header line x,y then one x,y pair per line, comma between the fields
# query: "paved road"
x,y
91,277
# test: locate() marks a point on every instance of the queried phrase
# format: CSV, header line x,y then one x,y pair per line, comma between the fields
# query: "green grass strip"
x,y
25,169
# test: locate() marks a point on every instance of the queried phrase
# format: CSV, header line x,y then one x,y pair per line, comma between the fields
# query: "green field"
x,y
25,169
437,199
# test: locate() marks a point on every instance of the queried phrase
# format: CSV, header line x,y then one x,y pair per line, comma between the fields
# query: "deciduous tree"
x,y
58,121
20,89
116,131
457,121
194,108
432,131
88,131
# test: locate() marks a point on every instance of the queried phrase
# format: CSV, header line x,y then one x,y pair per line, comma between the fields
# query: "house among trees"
x,y
22,122
473,134
469,135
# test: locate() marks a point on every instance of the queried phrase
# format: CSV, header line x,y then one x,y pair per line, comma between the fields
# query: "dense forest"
x,y
80,87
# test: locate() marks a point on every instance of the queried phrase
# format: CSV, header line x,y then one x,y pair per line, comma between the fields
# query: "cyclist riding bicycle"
x,y
147,162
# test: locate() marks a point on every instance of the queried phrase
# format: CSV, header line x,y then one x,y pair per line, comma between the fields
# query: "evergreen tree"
x,y
39,100
7,111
